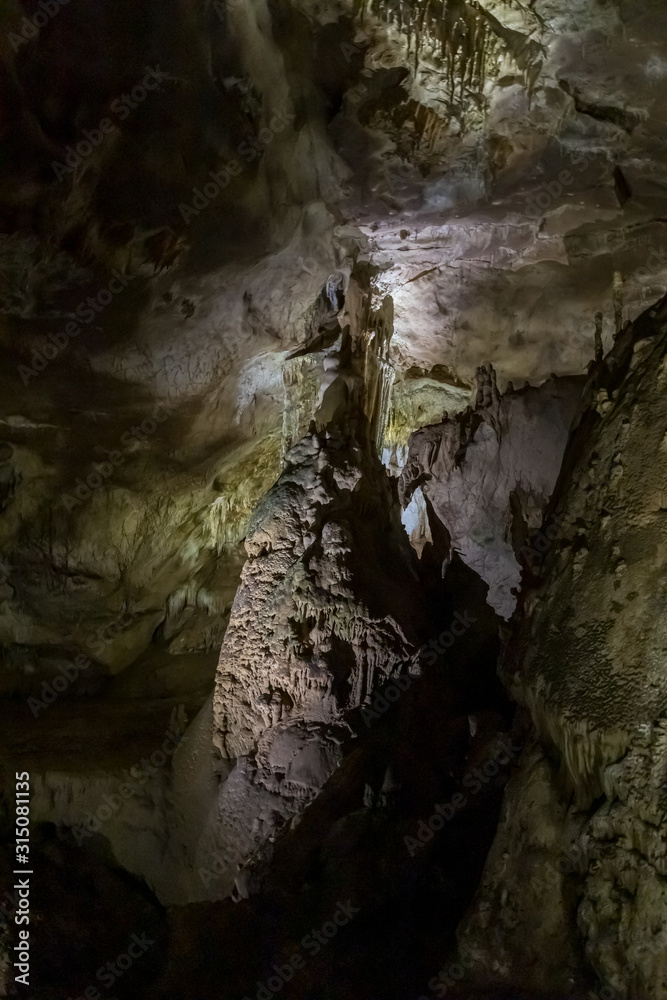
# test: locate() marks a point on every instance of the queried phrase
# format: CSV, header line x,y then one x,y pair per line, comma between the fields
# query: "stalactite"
x,y
468,36
387,376
227,518
300,395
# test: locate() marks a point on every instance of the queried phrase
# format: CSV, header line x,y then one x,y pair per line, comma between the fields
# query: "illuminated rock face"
x,y
318,624
488,473
588,661
326,608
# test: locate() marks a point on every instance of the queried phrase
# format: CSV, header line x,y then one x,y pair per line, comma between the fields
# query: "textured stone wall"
x,y
586,816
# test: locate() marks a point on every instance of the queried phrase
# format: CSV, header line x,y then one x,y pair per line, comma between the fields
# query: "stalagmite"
x,y
303,647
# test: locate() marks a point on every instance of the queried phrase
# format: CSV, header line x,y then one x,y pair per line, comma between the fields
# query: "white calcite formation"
x,y
487,474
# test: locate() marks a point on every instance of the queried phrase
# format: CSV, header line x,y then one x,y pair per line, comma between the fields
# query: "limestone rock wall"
x,y
587,660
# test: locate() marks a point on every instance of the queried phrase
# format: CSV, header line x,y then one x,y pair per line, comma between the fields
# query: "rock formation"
x,y
326,608
488,473
579,857
331,495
